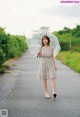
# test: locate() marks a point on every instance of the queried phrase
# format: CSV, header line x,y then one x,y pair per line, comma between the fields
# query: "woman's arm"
x,y
53,59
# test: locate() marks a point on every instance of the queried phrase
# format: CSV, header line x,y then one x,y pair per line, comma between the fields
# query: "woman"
x,y
47,69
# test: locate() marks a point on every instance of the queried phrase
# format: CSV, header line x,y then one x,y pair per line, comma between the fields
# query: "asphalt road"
x,y
23,95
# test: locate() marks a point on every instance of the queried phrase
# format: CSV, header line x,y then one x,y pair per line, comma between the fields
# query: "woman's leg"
x,y
45,87
53,82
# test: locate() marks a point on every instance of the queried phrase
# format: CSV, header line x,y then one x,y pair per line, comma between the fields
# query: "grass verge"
x,y
70,58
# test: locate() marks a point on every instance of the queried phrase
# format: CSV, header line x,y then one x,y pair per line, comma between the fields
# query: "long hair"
x,y
42,44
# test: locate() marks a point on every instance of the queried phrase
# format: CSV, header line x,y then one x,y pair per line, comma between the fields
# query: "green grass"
x,y
72,59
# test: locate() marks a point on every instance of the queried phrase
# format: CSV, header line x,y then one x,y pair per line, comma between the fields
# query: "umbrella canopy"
x,y
35,38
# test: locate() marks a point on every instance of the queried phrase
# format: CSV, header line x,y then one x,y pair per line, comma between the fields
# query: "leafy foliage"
x,y
69,38
11,46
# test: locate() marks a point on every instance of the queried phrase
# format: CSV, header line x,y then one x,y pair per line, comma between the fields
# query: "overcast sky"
x,y
22,16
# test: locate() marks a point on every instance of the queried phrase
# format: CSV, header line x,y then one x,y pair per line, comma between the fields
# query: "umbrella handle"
x,y
39,52
38,55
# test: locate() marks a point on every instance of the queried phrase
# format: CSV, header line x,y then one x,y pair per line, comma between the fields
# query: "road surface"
x,y
23,95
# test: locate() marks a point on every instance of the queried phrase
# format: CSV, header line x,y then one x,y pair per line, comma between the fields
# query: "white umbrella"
x,y
34,41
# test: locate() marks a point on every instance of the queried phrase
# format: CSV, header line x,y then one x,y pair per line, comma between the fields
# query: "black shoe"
x,y
55,95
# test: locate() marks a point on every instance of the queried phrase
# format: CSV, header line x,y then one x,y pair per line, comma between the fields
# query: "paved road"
x,y
23,95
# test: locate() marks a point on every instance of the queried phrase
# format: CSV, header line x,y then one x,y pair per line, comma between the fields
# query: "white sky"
x,y
22,16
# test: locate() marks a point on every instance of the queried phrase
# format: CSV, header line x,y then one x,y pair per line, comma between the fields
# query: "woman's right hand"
x,y
55,68
39,53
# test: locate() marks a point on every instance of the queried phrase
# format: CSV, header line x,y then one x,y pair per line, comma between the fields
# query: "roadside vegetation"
x,y
70,47
11,46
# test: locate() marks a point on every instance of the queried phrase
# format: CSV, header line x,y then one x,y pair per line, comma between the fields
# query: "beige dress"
x,y
46,67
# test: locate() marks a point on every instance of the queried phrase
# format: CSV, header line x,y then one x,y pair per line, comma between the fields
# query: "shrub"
x,y
10,46
2,57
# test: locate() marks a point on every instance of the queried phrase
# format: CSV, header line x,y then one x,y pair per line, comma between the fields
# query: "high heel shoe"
x,y
54,95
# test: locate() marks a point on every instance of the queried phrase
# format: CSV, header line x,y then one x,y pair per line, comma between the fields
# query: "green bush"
x,y
64,45
11,46
69,38
16,45
2,57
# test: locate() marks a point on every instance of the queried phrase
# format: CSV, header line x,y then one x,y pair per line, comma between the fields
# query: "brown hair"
x,y
42,44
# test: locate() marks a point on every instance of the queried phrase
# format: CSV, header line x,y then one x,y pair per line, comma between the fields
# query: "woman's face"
x,y
45,41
